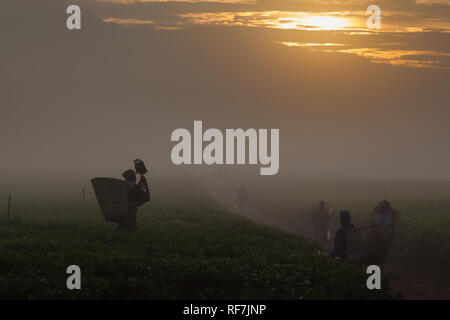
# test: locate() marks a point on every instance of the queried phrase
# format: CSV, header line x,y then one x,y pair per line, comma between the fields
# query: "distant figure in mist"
x,y
138,194
334,223
385,218
242,197
341,239
320,219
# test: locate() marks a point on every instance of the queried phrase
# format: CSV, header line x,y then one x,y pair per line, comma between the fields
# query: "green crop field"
x,y
185,249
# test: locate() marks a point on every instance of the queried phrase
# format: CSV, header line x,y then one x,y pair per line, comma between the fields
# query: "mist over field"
x,y
362,117
90,101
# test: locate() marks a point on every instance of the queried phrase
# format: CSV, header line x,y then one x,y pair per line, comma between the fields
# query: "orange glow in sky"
x,y
325,22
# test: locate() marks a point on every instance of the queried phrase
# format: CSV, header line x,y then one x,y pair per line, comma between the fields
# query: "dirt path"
x,y
410,281
417,283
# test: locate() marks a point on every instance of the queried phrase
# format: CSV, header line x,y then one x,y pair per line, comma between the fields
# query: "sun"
x,y
306,21
325,22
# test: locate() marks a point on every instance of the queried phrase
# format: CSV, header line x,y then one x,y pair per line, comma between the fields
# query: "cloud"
x,y
407,58
302,20
128,22
272,19
397,15
394,57
397,43
309,44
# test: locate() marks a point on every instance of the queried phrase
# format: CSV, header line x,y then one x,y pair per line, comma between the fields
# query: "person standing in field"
x,y
242,197
320,219
334,223
341,239
385,218
137,194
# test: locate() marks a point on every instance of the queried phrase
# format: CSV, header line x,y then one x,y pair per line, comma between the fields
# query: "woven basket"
x,y
112,197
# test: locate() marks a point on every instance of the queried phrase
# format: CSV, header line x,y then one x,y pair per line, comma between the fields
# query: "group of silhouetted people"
x,y
374,240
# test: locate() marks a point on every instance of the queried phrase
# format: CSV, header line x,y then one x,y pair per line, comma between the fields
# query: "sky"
x,y
349,101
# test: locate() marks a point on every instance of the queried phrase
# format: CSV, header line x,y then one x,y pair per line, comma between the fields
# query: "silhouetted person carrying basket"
x,y
120,199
